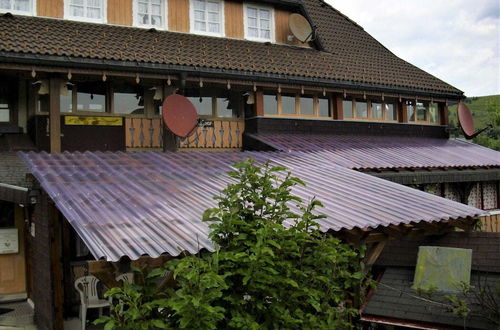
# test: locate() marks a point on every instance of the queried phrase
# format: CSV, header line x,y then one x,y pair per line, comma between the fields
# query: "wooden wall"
x,y
491,223
50,8
120,12
233,12
178,15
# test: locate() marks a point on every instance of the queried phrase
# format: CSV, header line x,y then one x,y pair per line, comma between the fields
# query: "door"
x,y
12,252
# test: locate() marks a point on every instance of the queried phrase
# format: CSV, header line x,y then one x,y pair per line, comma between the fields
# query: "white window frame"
x,y
271,22
30,12
222,20
104,13
135,17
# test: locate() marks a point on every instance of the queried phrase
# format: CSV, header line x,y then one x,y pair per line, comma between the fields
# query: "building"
x,y
91,76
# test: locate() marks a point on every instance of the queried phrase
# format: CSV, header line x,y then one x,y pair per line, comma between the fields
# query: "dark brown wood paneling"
x,y
93,138
336,127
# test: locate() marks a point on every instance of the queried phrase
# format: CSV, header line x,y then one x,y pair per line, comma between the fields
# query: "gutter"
x,y
157,68
13,194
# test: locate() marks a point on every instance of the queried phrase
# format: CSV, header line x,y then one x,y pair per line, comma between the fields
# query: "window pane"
x,y
93,13
434,113
253,32
264,14
4,115
390,110
270,105
228,107
252,22
347,108
199,5
5,4
213,6
128,99
200,26
76,11
143,7
22,5
77,2
252,12
265,34
323,108
421,111
213,17
199,15
306,106
91,97
288,104
203,105
410,109
361,109
264,24
213,27
377,111
66,98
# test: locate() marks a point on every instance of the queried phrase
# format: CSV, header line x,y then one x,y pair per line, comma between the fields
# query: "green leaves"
x,y
264,275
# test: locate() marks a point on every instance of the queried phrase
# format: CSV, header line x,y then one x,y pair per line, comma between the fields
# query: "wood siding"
x,y
50,8
12,274
282,29
143,133
491,224
120,12
178,15
223,134
233,12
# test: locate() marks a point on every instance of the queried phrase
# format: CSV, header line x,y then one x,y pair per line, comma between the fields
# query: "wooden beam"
x,y
55,114
339,109
104,271
259,103
375,252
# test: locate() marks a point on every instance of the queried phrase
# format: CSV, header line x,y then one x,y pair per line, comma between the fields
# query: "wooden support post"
x,y
443,113
339,109
259,103
403,112
55,114
375,252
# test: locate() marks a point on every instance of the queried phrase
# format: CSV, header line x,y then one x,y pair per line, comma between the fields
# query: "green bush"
x,y
273,268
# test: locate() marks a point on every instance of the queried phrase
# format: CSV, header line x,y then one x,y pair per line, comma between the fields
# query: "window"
x,y
270,104
423,112
375,110
307,106
85,10
288,105
91,96
361,109
434,113
149,13
128,99
66,97
323,107
22,7
348,109
259,23
207,17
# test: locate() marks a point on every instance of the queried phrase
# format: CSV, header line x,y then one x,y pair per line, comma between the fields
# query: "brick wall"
x,y
41,260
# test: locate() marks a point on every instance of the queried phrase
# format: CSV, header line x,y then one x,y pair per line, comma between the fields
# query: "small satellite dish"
x,y
179,115
466,122
300,27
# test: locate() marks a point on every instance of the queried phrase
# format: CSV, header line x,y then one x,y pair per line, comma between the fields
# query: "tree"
x,y
273,267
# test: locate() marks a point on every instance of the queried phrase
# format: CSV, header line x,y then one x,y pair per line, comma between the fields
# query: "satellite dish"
x,y
300,27
179,115
466,122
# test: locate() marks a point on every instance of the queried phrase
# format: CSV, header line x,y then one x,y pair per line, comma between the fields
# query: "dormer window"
x,y
207,17
85,10
149,13
259,22
22,7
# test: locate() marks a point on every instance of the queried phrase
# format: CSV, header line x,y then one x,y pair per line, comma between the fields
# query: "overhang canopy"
x,y
387,152
134,204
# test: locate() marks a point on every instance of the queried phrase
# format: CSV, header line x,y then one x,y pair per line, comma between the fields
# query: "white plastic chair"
x,y
87,288
125,277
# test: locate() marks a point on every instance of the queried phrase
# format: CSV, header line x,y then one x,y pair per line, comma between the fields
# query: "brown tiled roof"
x,y
351,56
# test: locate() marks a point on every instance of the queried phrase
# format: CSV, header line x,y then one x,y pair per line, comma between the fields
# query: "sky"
x,y
457,41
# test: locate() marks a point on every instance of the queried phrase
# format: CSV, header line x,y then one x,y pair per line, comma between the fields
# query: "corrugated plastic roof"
x,y
386,152
133,204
